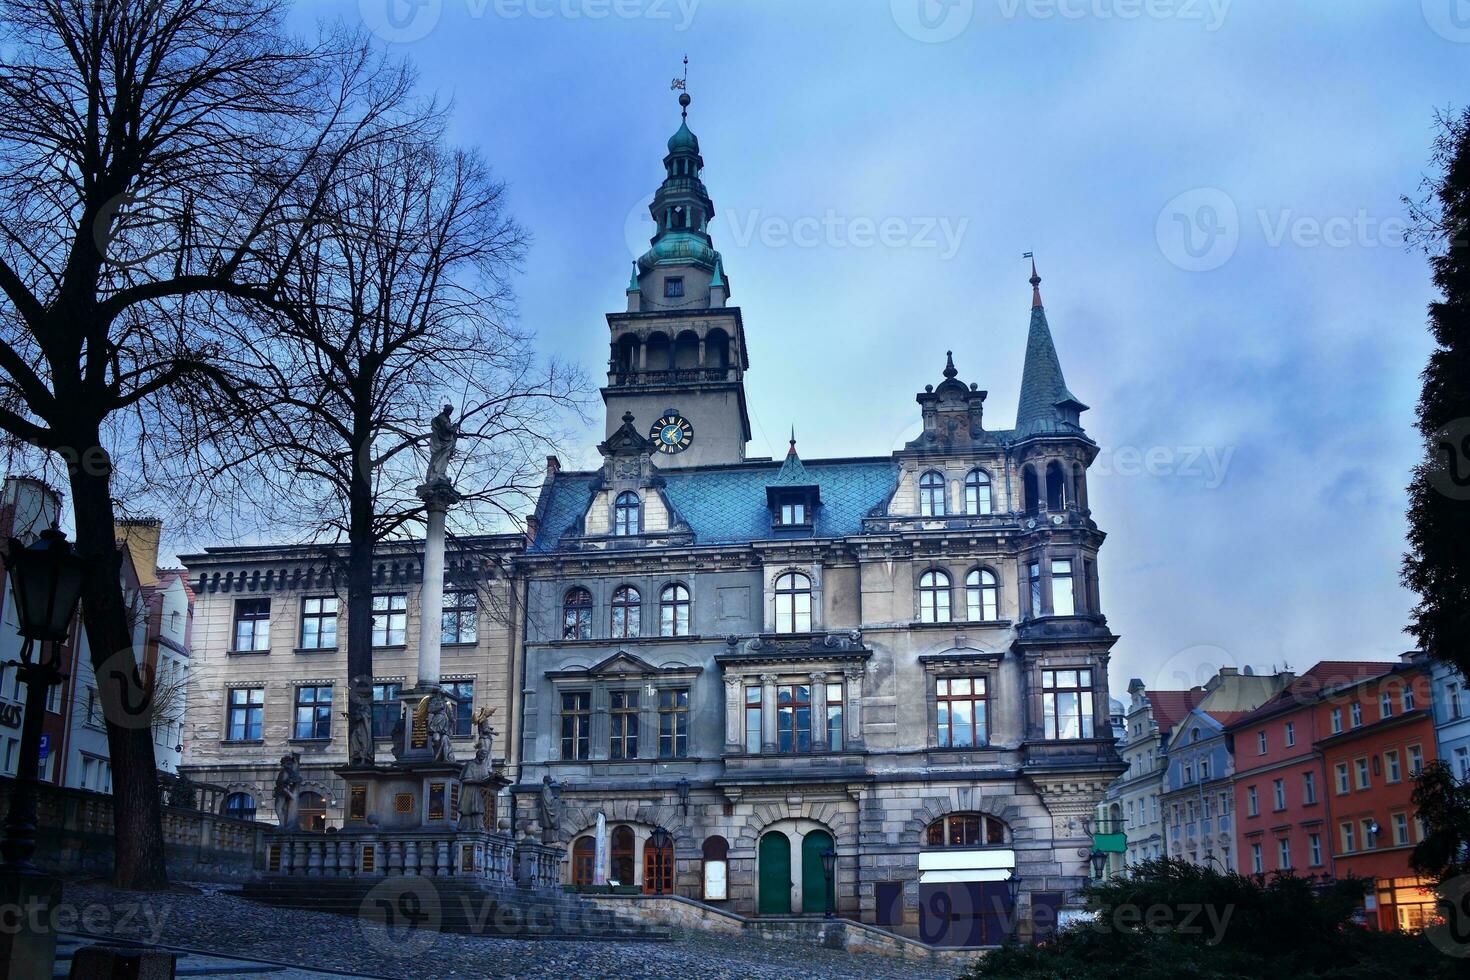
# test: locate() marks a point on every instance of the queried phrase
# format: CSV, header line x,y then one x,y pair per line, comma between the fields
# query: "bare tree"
x,y
395,303
155,157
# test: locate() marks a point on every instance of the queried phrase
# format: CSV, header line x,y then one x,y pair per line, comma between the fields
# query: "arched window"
x,y
1056,486
239,806
793,603
312,809
576,615
931,494
934,597
982,596
622,855
966,830
627,606
626,514
584,861
1079,485
1030,490
716,853
977,492
673,613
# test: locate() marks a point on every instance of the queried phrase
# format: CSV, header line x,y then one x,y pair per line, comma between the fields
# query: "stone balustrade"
x,y
538,866
430,854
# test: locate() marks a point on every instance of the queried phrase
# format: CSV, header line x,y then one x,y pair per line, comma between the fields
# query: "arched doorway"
x,y
775,874
658,868
312,808
584,858
622,867
813,875
716,853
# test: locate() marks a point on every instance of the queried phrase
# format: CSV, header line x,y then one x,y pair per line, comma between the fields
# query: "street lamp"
x,y
46,579
1099,859
829,868
660,840
682,788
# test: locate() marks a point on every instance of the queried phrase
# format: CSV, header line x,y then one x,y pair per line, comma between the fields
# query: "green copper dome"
x,y
684,141
678,247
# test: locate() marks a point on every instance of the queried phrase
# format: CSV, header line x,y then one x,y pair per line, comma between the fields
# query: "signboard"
x,y
41,759
715,876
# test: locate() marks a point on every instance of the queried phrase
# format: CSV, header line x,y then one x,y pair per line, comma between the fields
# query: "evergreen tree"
x,y
1437,565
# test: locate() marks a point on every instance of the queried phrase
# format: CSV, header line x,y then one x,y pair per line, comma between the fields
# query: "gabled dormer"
x,y
629,506
793,496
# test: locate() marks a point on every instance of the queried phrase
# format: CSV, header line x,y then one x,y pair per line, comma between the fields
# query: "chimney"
x,y
553,466
533,527
141,537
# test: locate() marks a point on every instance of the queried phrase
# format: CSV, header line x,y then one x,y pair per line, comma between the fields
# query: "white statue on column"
x,y
443,435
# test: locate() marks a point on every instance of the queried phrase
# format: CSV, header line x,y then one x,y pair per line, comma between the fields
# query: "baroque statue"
x,y
550,807
475,774
360,725
288,788
484,734
443,435
441,728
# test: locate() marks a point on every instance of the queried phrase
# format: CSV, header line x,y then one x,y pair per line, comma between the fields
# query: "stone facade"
x,y
290,656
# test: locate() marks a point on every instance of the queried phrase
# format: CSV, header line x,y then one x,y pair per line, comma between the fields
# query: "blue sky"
x,y
1212,190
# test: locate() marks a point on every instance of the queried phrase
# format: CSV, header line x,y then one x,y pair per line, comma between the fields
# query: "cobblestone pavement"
x,y
210,921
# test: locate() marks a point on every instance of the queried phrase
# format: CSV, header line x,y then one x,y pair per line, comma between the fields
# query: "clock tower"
x,y
678,356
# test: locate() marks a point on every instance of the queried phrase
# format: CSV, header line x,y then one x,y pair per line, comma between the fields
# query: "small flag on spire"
x,y
681,84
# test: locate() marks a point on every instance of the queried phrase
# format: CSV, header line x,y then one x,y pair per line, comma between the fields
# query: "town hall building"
x,y
876,685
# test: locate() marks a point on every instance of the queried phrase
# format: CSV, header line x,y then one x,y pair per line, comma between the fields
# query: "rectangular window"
x,y
1314,849
1257,865
1283,853
794,718
1355,714
461,613
1400,828
835,704
674,287
623,712
1278,789
1369,837
752,719
386,709
1341,770
1290,734
1392,772
1452,700
1188,772
1361,767
793,512
1336,720
1061,588
313,712
1066,703
1033,572
1385,705
576,724
673,723
1349,838
319,623
390,619
961,712
1462,762
1252,802
1309,787
1204,769
1416,760
252,624
1408,697
247,705
464,706
1260,743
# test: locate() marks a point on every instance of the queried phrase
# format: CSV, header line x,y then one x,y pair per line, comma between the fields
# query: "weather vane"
x,y
681,84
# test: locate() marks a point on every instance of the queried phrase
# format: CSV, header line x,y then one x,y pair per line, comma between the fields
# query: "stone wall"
x,y
74,837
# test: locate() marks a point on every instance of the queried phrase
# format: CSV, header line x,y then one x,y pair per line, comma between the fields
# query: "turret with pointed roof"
x,y
1046,406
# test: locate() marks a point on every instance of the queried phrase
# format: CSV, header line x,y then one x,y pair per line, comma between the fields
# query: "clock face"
x,y
671,434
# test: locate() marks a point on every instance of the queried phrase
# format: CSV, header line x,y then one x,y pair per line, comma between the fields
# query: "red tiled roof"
x,y
1226,717
1171,706
1323,676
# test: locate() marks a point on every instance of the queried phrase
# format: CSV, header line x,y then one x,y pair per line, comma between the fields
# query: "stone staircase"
x,y
466,907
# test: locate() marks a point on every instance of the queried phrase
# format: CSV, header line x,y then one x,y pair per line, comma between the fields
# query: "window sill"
x,y
460,643
316,649
242,741
247,653
310,741
391,647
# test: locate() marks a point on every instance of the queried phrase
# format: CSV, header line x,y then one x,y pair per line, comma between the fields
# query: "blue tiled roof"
x,y
723,505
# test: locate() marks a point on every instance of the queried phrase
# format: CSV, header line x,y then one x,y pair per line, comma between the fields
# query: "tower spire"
x,y
1045,405
1035,282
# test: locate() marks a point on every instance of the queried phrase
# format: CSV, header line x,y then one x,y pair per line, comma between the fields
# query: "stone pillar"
x,y
854,720
768,712
599,851
819,710
734,714
438,498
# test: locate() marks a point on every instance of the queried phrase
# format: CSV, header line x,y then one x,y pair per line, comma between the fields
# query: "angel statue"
x,y
288,786
484,734
441,728
443,435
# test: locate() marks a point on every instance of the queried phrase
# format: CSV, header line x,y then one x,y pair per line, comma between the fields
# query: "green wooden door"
x,y
775,875
813,876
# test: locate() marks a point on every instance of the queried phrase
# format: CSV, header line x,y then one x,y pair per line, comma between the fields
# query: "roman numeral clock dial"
x,y
671,434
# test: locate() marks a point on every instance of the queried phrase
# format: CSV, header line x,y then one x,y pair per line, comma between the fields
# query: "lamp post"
x,y
829,868
660,840
46,579
1099,859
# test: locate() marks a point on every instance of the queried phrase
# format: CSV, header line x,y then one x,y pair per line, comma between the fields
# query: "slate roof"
x,y
1169,707
1042,384
727,504
1324,676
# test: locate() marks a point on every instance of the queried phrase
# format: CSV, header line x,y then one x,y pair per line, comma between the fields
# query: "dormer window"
x,y
793,512
626,513
674,287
